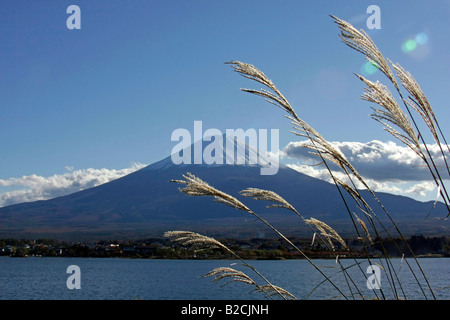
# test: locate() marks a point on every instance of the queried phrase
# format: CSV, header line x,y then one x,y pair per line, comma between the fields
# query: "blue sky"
x,y
110,94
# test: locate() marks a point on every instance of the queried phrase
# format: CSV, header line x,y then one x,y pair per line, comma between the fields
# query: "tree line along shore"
x,y
255,248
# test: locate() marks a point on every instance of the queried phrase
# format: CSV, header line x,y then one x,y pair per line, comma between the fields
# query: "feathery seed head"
x,y
361,42
364,227
326,231
272,290
251,72
390,113
418,101
194,239
230,273
260,194
197,187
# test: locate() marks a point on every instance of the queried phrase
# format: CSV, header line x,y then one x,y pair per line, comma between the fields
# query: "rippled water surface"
x,y
125,279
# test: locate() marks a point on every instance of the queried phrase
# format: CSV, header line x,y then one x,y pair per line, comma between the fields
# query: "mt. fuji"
x,y
144,203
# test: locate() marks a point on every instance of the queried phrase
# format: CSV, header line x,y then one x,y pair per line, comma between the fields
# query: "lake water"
x,y
147,279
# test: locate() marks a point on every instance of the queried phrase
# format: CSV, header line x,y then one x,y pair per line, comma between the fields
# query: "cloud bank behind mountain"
x,y
386,166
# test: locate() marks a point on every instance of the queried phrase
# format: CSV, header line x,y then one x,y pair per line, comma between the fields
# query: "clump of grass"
x,y
400,124
410,133
197,187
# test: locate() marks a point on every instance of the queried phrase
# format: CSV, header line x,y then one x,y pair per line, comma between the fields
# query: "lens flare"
x,y
409,45
421,38
412,44
369,68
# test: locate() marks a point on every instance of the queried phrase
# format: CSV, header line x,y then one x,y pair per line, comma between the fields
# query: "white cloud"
x,y
385,166
34,187
323,174
421,189
383,161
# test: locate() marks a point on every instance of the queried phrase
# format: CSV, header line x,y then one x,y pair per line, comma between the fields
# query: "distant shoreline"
x,y
430,256
248,249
